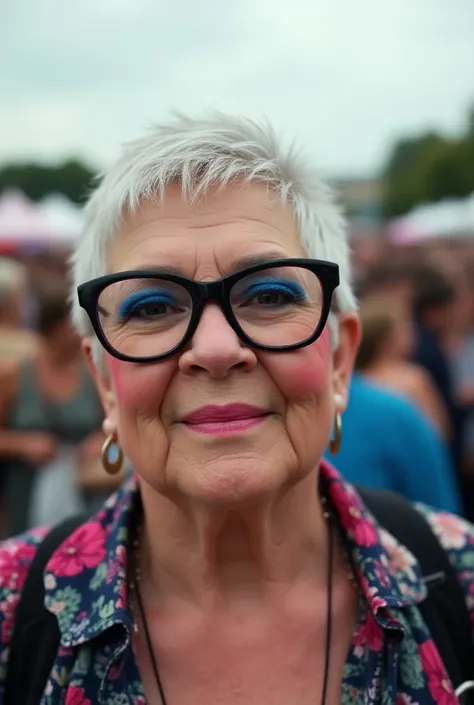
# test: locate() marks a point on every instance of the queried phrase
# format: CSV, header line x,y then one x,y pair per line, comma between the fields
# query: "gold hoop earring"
x,y
113,465
335,442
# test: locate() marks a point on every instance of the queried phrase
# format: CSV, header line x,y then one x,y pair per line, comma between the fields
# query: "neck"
x,y
213,557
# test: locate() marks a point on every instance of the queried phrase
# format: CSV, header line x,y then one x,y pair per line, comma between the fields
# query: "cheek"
x,y
303,373
140,387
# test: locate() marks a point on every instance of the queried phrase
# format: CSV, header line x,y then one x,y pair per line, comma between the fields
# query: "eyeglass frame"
x,y
202,293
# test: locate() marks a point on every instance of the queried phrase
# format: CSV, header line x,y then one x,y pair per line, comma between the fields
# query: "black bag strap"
x,y
444,611
36,636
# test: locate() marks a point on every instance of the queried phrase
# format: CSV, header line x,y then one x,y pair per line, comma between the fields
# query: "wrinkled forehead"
x,y
222,231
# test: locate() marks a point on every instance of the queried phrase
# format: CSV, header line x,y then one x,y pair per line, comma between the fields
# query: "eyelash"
x,y
296,292
136,300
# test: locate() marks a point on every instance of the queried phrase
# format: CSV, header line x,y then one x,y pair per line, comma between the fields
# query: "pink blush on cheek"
x,y
115,367
130,384
305,372
140,386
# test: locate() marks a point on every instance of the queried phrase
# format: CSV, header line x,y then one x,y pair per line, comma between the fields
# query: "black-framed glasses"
x,y
149,315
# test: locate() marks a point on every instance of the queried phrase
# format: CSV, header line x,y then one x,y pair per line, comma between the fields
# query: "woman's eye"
x,y
151,309
276,294
145,307
271,297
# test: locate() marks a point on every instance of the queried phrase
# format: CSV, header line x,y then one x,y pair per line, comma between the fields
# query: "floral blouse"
x,y
391,660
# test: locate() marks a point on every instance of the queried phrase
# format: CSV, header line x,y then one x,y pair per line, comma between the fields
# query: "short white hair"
x,y
201,153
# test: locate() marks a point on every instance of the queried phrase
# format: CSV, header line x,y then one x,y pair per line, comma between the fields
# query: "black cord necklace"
x,y
149,644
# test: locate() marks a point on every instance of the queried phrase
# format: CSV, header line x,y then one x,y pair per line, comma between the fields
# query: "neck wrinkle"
x,y
211,558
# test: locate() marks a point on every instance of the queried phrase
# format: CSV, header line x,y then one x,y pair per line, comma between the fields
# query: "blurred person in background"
x,y
392,277
15,342
434,306
389,444
49,408
463,364
388,340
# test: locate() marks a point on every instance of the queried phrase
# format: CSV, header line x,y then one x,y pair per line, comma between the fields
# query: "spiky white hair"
x,y
202,153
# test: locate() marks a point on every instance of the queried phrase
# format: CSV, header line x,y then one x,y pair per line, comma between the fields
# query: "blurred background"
x,y
381,97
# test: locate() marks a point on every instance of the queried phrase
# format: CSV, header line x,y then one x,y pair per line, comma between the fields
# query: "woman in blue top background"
x,y
387,443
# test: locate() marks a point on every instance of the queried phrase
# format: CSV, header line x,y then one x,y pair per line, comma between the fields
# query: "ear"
x,y
103,382
344,357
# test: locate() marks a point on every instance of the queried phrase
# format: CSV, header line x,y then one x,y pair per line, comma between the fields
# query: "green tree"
x,y
72,178
428,168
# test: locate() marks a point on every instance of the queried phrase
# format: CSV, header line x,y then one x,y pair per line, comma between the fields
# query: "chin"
x,y
234,484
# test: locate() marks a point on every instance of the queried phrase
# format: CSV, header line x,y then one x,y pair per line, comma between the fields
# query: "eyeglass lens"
x,y
144,317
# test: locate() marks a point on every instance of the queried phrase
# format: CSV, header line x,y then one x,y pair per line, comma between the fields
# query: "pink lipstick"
x,y
226,419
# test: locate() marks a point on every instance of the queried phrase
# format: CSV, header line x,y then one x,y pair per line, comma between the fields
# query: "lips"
x,y
214,414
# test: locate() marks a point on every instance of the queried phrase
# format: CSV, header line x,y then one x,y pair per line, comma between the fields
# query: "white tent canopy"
x,y
22,221
64,216
53,222
448,218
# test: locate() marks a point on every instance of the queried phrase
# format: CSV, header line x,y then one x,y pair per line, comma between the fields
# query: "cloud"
x,y
344,77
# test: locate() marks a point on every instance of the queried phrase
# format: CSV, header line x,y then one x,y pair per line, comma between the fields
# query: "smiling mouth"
x,y
218,428
222,420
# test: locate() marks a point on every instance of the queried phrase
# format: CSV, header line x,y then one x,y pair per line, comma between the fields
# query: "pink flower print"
x,y
76,696
438,682
372,594
364,532
369,634
452,531
6,629
381,574
400,558
121,602
83,549
14,565
112,571
359,527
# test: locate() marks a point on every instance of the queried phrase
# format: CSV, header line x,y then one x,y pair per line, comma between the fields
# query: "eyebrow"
x,y
240,263
159,268
249,260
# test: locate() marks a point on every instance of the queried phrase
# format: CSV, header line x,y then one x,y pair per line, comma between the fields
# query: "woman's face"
x,y
148,403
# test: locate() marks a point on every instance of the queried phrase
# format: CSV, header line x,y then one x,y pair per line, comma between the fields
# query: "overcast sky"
x,y
345,77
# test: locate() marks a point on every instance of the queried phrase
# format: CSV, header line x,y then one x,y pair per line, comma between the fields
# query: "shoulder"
x,y
456,536
16,557
381,400
413,375
420,381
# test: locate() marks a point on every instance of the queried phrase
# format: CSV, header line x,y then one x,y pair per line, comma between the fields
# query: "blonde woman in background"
x,y
384,357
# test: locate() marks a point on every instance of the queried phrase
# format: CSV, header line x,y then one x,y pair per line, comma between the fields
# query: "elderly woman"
x,y
236,567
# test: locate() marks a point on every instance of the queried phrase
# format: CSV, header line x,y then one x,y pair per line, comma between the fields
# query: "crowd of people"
x,y
409,423
408,427
50,413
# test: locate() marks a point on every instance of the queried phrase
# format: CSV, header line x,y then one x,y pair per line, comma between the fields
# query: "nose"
x,y
216,347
